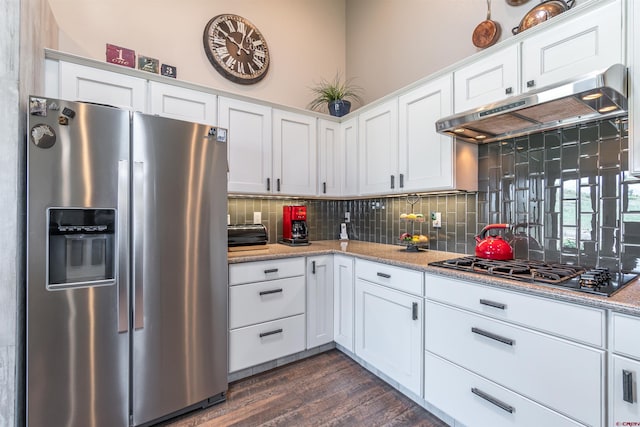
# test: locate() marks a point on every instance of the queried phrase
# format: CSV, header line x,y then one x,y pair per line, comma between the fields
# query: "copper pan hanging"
x,y
487,32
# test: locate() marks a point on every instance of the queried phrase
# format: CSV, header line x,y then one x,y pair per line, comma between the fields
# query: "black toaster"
x,y
247,234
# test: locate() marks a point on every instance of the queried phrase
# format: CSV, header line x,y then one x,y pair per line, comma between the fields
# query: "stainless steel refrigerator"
x,y
126,266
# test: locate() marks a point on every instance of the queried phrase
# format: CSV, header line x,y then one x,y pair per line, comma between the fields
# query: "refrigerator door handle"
x,y
123,245
138,263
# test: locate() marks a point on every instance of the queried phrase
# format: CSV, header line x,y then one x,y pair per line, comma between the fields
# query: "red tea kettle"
x,y
493,247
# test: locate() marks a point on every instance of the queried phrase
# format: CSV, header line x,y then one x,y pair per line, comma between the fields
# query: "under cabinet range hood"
x,y
593,96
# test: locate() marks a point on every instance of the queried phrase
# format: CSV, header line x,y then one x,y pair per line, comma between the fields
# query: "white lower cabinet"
x,y
319,300
266,341
266,311
475,401
563,375
388,331
623,395
343,294
624,370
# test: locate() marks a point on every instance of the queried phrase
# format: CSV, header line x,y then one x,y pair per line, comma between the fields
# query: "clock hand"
x,y
240,47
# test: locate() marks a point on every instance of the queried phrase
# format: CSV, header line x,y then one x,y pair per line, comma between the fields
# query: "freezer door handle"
x,y
122,234
138,262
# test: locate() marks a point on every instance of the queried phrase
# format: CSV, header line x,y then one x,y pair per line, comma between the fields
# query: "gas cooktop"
x,y
598,281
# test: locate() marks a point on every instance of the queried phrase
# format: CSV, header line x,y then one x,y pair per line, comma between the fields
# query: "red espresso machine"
x,y
294,225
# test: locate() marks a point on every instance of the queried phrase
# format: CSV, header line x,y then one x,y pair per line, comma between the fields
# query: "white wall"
x,y
383,45
305,37
392,43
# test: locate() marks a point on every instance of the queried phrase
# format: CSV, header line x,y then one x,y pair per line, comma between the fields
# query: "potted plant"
x,y
334,94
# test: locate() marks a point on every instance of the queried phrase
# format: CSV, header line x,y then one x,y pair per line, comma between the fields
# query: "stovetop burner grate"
x,y
599,281
537,271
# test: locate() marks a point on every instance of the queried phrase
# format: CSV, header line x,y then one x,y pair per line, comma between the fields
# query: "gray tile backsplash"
x,y
569,190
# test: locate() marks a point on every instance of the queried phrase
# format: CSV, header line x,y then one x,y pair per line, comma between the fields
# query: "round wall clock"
x,y
236,49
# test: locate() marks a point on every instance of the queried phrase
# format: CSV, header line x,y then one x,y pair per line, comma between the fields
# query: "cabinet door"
x,y
587,42
294,153
425,156
349,158
182,103
388,332
378,137
249,145
343,288
319,300
487,80
330,163
81,83
624,394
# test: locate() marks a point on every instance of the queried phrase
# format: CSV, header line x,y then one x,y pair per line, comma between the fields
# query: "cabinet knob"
x,y
531,83
508,91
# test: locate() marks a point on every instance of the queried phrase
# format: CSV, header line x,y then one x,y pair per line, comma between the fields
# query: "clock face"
x,y
236,49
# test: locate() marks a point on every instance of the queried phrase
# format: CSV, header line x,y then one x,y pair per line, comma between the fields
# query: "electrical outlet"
x,y
257,217
347,217
436,219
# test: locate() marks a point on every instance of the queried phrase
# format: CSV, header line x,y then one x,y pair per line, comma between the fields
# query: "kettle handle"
x,y
483,233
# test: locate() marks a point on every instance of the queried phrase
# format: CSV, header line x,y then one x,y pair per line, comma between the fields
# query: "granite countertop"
x,y
627,300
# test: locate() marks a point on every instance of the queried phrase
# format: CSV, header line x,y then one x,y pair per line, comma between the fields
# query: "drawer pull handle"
x,y
271,270
272,291
414,310
313,267
493,304
493,336
627,386
385,275
500,404
266,334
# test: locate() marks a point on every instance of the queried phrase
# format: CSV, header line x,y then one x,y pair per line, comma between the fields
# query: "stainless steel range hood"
x,y
593,96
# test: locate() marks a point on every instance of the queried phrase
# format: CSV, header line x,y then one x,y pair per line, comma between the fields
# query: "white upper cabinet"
x,y
378,140
427,158
294,153
183,104
487,80
330,162
348,158
588,41
82,83
249,145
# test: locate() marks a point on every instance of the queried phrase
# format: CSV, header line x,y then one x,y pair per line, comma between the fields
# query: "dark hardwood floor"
x,y
329,389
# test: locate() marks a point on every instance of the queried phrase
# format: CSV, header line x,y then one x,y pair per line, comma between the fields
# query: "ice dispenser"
x,y
81,247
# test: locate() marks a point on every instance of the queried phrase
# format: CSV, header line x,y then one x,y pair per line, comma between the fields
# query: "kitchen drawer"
x,y
449,388
560,374
283,337
587,324
258,271
626,335
398,278
263,301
